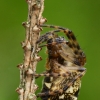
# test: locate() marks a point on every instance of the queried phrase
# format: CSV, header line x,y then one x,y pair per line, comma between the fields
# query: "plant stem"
x,y
27,85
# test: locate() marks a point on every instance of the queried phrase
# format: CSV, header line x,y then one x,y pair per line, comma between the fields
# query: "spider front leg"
x,y
53,43
47,36
70,68
53,74
73,44
68,33
50,35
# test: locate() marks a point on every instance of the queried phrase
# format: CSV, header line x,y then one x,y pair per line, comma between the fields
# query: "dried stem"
x,y
27,85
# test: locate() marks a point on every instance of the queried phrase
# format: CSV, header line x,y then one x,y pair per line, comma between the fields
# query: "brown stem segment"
x,y
27,85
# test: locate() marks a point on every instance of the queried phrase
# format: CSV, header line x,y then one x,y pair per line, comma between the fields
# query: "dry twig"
x,y
27,85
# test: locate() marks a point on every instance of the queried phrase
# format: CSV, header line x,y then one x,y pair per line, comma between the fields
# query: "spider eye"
x,y
59,39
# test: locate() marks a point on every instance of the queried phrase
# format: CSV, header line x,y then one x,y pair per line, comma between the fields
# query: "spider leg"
x,y
70,68
68,33
72,40
73,44
51,35
45,37
52,74
53,43
60,70
66,52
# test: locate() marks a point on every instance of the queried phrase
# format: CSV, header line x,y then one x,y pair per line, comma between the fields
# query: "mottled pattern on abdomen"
x,y
52,84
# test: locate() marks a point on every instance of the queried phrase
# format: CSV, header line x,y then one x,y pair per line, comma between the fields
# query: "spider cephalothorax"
x,y
64,67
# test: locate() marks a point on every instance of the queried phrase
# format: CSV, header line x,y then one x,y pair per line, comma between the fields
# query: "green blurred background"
x,y
81,16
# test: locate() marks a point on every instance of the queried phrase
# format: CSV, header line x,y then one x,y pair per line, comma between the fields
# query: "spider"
x,y
64,67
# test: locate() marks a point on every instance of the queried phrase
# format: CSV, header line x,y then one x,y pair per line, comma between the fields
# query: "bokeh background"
x,y
81,16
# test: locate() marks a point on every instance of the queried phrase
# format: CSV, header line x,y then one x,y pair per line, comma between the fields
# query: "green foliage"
x,y
81,16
